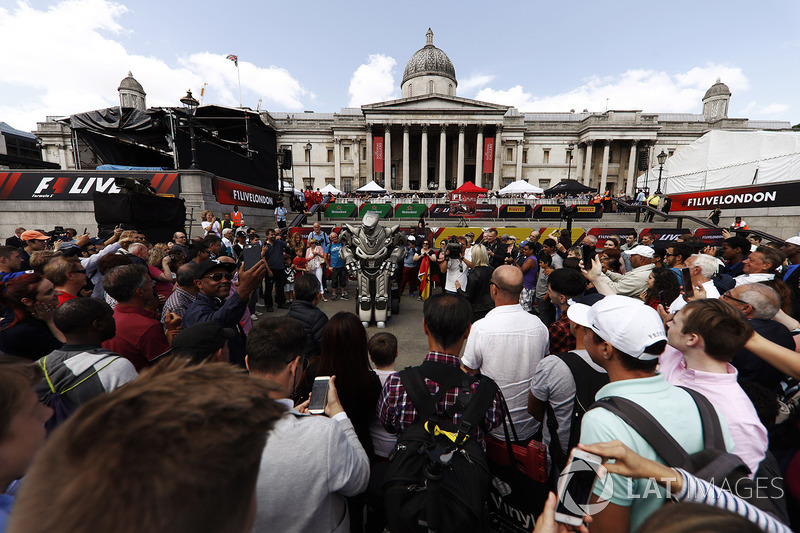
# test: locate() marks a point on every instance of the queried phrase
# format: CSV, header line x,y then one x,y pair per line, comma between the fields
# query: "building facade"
x,y
432,140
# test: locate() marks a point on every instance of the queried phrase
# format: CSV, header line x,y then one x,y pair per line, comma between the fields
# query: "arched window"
x,y
410,89
450,90
430,87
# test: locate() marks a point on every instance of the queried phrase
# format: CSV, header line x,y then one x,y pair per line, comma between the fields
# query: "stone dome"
x,y
429,60
130,84
718,89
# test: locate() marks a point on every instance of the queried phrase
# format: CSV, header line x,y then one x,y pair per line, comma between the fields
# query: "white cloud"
x,y
74,64
756,111
647,90
473,82
373,81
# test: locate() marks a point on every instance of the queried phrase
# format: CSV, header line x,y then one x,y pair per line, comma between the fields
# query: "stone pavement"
x,y
406,325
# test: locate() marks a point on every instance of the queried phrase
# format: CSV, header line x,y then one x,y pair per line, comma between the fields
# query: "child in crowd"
x,y
382,349
288,288
299,263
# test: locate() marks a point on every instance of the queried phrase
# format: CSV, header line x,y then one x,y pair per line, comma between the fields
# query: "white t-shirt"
x,y
456,271
214,228
507,345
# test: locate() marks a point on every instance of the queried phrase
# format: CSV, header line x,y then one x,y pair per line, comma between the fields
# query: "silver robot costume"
x,y
372,252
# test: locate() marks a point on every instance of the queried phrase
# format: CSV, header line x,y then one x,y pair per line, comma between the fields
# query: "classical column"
x,y
604,172
497,176
370,157
442,158
587,169
479,157
387,157
423,165
520,144
337,163
460,174
406,160
631,169
579,160
356,153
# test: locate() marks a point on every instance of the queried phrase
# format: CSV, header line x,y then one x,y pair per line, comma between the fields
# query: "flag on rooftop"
x,y
233,58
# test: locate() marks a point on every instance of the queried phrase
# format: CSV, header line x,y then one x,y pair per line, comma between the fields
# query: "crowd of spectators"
x,y
142,350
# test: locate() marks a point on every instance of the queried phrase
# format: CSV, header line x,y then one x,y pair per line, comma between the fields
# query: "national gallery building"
x,y
433,140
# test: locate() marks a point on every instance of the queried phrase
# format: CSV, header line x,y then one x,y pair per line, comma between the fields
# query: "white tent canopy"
x,y
722,159
371,187
329,188
520,187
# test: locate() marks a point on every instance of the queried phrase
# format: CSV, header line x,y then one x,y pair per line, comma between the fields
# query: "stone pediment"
x,y
437,102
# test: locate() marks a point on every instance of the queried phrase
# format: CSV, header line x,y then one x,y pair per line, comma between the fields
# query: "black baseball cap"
x,y
202,339
209,264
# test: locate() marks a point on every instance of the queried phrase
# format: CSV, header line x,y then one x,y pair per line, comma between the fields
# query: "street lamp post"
x,y
662,158
190,103
308,156
569,161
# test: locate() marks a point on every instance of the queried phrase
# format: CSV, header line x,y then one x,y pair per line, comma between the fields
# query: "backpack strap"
x,y
418,392
648,427
713,437
477,407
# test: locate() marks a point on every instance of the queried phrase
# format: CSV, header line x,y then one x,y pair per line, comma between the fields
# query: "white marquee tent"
x,y
723,159
371,187
330,189
520,187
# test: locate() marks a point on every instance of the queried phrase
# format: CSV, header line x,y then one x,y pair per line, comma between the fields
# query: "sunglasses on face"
x,y
79,272
217,276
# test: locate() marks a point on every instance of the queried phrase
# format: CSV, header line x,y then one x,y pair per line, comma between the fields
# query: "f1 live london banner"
x,y
481,211
77,184
232,193
778,195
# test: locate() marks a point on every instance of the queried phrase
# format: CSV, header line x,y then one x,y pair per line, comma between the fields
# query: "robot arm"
x,y
397,245
350,260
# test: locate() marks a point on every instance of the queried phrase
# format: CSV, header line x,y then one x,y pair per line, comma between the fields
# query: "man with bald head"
x,y
506,346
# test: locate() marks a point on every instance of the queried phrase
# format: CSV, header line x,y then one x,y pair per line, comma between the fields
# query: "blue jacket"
x,y
227,314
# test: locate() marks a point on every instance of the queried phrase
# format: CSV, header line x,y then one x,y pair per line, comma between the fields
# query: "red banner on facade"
x,y
232,193
378,151
488,155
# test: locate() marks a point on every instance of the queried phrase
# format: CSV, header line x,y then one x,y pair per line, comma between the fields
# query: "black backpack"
x,y
587,382
57,400
713,463
438,478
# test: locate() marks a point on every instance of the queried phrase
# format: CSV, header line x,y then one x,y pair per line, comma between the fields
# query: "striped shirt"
x,y
696,490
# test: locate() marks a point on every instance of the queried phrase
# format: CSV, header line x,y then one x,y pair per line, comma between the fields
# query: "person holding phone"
x,y
302,488
625,337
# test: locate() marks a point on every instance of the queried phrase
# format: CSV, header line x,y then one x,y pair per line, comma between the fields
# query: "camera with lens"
x,y
453,248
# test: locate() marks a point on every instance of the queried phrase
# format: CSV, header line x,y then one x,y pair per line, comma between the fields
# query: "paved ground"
x,y
406,325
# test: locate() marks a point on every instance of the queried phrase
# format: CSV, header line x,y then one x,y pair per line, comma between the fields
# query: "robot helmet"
x,y
370,221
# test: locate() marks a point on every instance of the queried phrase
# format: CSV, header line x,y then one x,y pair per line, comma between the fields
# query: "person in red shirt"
x,y
67,275
300,264
140,337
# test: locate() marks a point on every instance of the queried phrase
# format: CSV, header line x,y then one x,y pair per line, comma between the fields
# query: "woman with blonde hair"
x,y
159,267
210,224
315,256
478,283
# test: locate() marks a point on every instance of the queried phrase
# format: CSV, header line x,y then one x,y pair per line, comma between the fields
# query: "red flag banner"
x,y
378,150
488,155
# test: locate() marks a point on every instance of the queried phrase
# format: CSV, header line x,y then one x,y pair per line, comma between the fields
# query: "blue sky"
x,y
322,56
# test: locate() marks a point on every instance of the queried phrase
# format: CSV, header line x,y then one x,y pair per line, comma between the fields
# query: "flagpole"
x,y
238,75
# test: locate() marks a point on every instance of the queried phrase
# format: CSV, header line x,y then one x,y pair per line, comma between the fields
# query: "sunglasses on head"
x,y
217,276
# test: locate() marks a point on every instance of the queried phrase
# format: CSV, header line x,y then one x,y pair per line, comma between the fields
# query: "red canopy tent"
x,y
464,199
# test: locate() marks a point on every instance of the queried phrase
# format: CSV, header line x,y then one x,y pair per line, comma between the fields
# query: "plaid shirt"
x,y
177,303
397,412
561,340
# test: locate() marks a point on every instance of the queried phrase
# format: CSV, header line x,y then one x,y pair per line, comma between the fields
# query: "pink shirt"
x,y
723,391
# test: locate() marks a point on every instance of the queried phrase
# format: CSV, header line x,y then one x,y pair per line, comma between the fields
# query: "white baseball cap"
x,y
793,240
644,251
628,324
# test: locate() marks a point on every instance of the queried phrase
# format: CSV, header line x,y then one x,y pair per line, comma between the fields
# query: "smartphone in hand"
x,y
575,486
686,280
319,395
